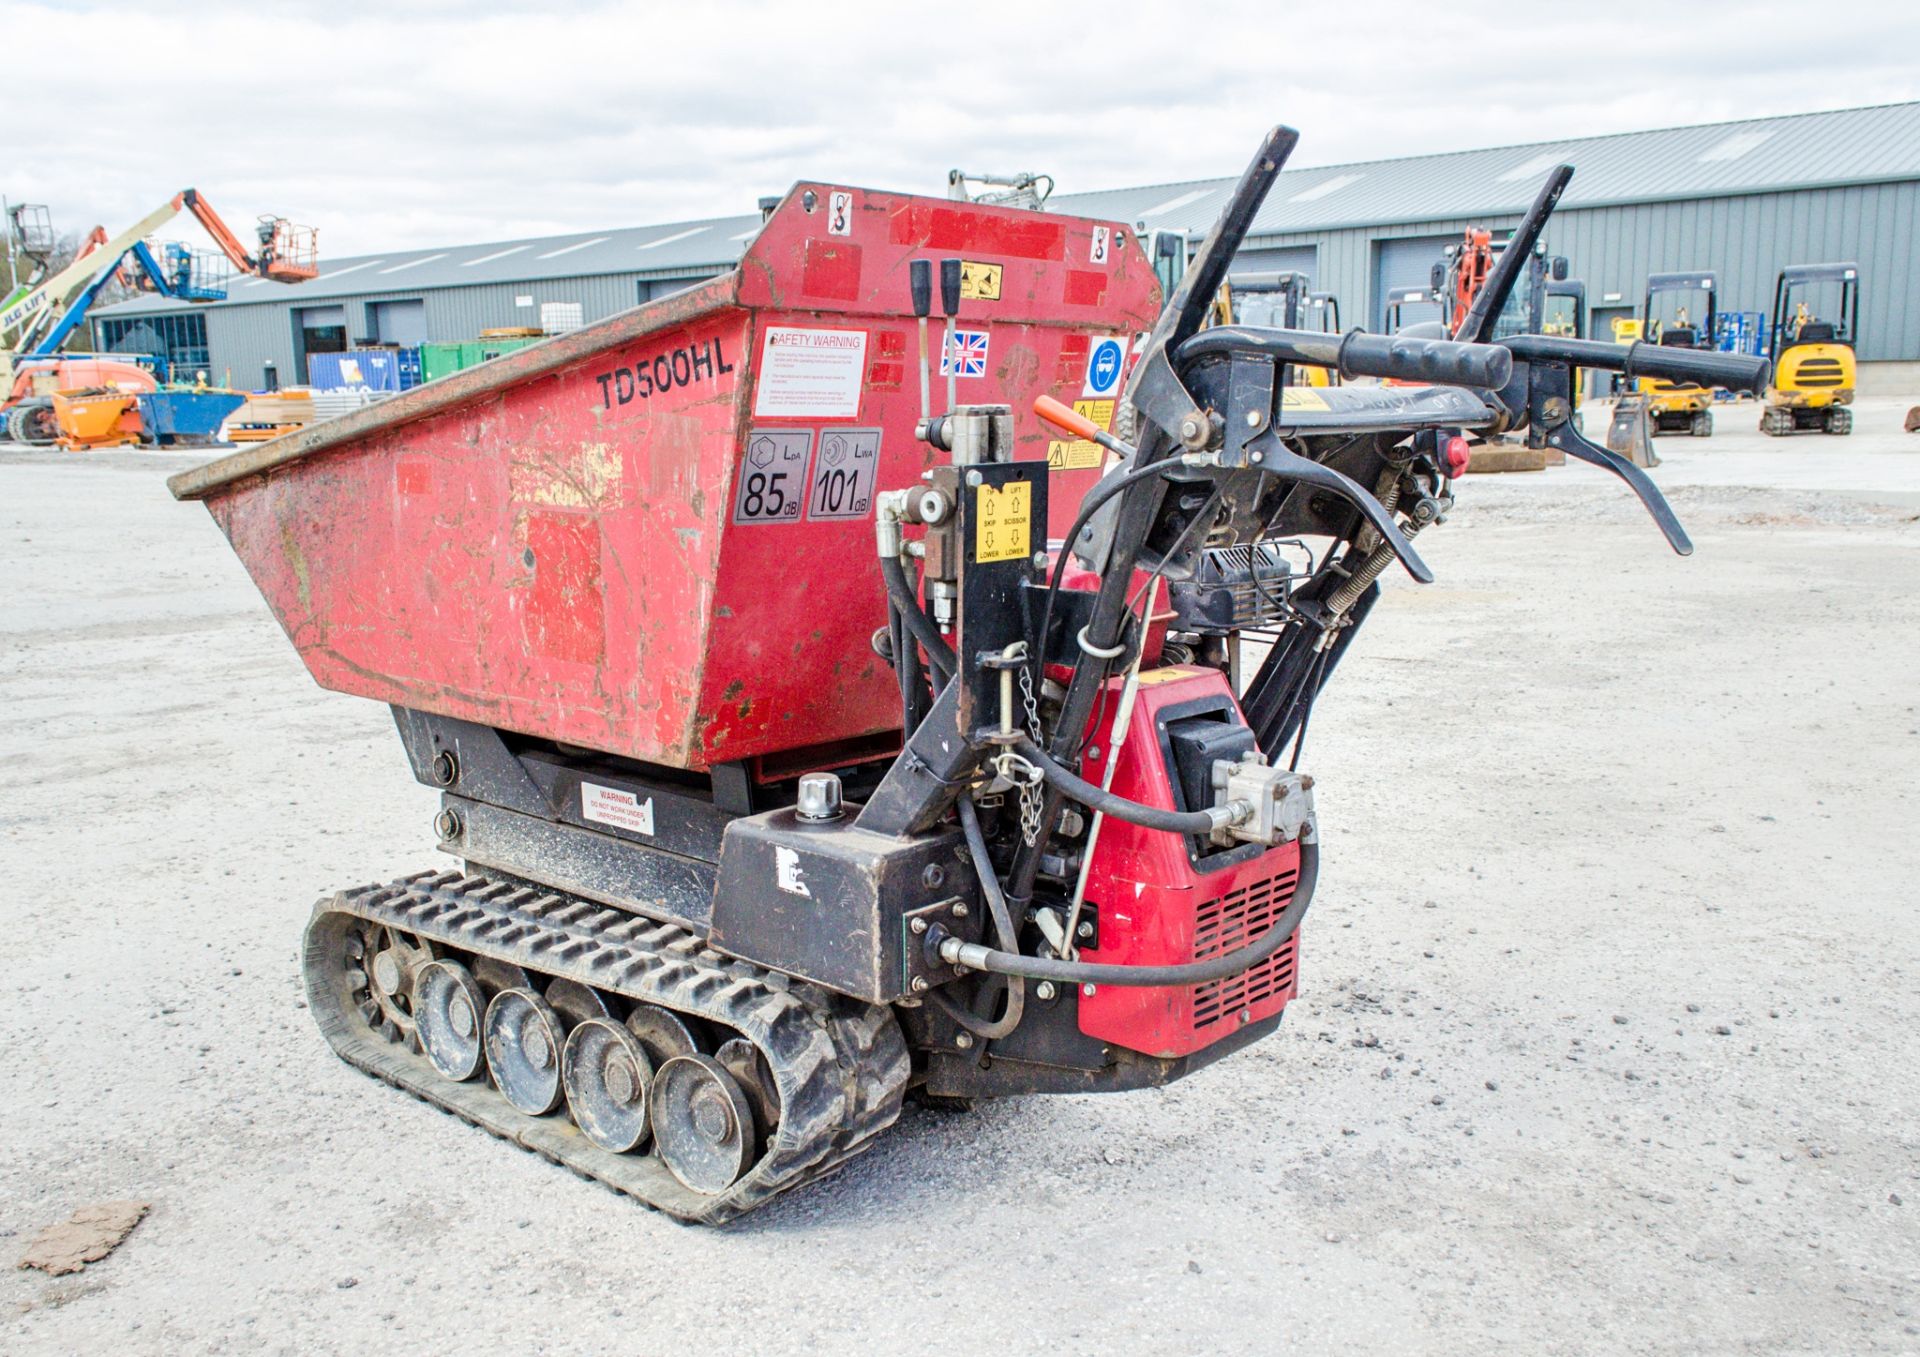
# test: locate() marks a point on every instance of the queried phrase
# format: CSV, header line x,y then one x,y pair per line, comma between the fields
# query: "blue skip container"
x,y
171,417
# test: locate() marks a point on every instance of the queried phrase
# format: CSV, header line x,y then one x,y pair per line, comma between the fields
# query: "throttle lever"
x,y
1549,409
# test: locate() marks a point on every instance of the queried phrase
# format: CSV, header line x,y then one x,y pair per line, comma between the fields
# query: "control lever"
x,y
920,283
950,303
1551,360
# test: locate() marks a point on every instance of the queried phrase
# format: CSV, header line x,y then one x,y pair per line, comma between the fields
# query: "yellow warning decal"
x,y
1083,453
1169,674
1302,398
1005,519
979,282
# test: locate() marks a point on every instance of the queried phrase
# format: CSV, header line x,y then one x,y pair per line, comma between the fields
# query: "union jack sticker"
x,y
965,355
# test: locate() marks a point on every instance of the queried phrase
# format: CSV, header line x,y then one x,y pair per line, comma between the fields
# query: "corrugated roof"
x,y
714,242
1803,150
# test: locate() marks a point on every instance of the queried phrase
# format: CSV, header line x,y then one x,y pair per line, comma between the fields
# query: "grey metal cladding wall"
x,y
1744,239
242,338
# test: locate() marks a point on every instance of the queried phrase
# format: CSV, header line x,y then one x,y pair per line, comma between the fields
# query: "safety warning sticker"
x,y
1004,522
1106,359
843,473
979,282
611,806
840,214
1302,398
811,373
1079,454
773,476
1102,242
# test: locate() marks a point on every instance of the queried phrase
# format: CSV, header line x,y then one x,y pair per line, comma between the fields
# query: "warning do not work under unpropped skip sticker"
x,y
1081,453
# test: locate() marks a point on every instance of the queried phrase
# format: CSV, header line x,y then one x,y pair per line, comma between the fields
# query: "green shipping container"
x,y
493,348
443,360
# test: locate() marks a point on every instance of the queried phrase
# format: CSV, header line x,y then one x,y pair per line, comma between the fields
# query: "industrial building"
x,y
1741,198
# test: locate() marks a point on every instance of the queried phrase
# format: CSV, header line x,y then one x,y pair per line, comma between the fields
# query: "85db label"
x,y
772,487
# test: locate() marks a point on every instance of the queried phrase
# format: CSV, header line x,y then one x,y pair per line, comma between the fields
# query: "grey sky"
x,y
391,127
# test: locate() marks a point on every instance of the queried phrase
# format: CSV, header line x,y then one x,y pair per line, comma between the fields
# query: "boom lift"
x,y
753,832
37,319
1678,312
1814,365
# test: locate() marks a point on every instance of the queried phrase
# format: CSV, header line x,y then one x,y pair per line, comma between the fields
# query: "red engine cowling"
x,y
1157,901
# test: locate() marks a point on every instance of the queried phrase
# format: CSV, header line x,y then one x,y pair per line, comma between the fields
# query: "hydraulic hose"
x,y
975,957
1119,807
1002,929
900,590
1104,489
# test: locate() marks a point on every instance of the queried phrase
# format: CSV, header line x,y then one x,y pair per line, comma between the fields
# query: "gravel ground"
x,y
1605,1041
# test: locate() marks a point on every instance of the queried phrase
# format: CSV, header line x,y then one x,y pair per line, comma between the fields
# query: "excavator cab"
x,y
1816,315
1564,315
1410,306
1678,311
1278,301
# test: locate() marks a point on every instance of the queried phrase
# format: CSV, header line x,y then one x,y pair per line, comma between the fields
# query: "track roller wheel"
x,y
524,1038
447,1009
702,1123
607,1076
576,1002
743,1060
664,1033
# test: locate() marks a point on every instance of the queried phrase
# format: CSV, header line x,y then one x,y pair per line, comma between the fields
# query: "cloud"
x,y
440,123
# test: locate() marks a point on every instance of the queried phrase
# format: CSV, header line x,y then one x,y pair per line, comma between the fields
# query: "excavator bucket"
x,y
654,536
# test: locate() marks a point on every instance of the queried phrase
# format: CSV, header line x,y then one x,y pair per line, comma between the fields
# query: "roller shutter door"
x,y
1293,259
1407,262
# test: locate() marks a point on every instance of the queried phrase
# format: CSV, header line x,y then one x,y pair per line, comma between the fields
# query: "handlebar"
x,y
1734,371
1443,362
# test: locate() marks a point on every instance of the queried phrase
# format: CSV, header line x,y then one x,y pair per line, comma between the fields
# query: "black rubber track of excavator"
x,y
840,1066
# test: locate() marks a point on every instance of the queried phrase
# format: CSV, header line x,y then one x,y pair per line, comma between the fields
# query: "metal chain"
x,y
1033,708
1026,780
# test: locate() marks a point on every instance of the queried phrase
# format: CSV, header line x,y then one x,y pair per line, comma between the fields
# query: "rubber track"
x,y
841,1066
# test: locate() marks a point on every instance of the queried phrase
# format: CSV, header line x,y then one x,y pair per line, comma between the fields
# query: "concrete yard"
x,y
1606,1040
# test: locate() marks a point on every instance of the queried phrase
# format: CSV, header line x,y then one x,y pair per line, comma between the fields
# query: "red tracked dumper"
x,y
802,744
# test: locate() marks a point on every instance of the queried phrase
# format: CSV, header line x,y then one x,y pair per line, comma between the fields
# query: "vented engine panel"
x,y
1160,899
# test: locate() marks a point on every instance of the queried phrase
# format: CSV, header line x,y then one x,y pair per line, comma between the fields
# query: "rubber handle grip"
x,y
1404,358
1734,371
1444,362
920,283
950,286
1066,418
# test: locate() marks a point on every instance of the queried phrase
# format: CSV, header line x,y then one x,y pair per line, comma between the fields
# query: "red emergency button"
x,y
1458,456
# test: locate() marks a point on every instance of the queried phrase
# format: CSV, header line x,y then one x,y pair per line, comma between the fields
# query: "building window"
x,y
180,340
557,318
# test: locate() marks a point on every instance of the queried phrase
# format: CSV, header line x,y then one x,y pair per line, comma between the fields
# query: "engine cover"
x,y
1163,899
